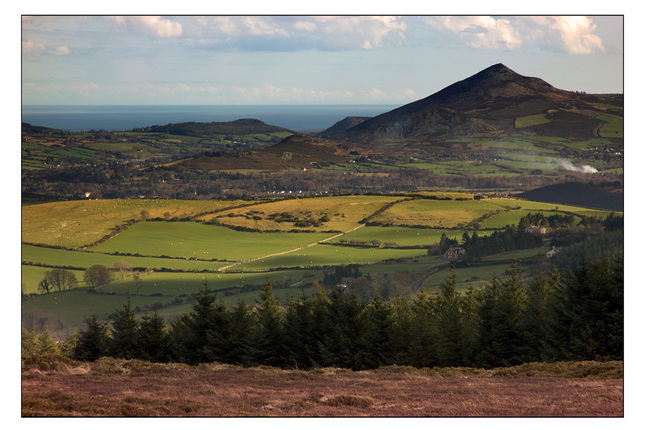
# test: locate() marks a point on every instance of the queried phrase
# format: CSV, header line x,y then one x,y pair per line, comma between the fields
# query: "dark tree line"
x,y
508,239
573,316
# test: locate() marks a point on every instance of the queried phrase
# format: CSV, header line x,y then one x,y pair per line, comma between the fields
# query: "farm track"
x,y
222,269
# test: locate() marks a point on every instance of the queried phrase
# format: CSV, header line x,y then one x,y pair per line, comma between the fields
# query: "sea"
x,y
127,117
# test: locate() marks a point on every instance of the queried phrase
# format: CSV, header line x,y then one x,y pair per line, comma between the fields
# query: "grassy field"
x,y
435,213
196,240
175,258
81,222
528,121
338,213
612,127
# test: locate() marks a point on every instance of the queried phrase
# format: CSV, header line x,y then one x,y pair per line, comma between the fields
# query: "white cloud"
x,y
29,46
61,50
364,32
258,26
152,25
577,35
571,34
480,32
296,33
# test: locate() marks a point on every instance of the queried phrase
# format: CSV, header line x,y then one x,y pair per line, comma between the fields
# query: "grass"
x,y
328,255
528,121
70,308
612,127
190,239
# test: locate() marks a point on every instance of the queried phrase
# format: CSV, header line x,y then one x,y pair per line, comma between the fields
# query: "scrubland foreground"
x,y
108,387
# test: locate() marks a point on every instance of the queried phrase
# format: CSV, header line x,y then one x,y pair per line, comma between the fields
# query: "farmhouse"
x,y
454,253
535,229
552,252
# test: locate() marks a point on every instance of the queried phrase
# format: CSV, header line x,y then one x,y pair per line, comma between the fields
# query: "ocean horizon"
x,y
126,117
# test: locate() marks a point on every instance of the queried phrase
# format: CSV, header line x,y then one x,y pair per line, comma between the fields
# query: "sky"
x,y
303,59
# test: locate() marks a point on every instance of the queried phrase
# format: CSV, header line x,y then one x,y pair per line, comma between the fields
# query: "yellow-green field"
x,y
174,258
339,213
77,223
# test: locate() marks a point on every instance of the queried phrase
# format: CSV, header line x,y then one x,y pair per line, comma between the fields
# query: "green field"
x,y
528,121
196,240
174,258
612,127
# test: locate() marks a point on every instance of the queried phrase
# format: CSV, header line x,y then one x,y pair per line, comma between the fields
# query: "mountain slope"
x,y
343,124
487,103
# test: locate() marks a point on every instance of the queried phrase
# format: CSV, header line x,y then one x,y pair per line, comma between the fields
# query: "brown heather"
x,y
110,387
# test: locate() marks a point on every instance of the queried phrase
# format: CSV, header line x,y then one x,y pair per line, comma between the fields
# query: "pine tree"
x,y
152,340
535,319
344,331
180,334
208,328
28,341
46,345
123,341
240,347
268,336
92,340
486,353
507,330
422,349
377,344
450,324
298,334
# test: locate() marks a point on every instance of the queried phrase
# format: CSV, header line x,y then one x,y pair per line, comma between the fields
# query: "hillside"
x,y
68,388
494,131
237,127
488,103
297,151
343,124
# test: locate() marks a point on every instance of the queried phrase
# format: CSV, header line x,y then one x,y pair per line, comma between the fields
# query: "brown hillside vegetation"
x,y
109,387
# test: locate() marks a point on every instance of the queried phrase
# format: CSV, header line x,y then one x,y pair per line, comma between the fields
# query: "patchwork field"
x,y
172,248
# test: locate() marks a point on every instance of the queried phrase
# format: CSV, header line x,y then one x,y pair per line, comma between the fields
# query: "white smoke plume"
x,y
567,165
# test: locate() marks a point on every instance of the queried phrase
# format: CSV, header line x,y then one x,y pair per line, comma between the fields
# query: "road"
x,y
222,269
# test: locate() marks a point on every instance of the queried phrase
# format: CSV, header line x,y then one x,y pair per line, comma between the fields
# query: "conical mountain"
x,y
487,102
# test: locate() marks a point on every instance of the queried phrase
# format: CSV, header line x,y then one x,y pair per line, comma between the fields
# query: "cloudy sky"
x,y
302,59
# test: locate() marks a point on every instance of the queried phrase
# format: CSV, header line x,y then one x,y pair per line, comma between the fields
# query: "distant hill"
x,y
487,104
36,129
237,127
578,194
343,124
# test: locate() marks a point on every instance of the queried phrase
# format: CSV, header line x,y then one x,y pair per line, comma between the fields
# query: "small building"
x,y
536,229
454,253
552,252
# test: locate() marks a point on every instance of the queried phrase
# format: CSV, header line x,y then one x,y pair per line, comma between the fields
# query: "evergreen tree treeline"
x,y
552,317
